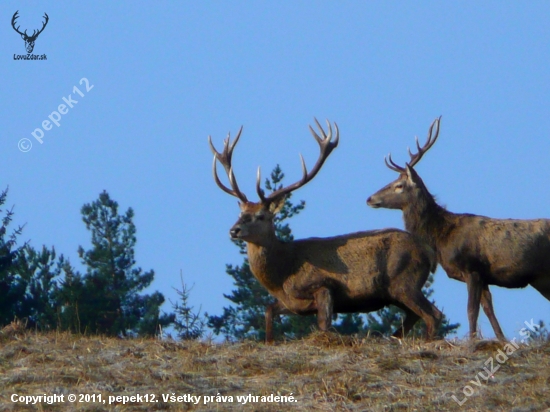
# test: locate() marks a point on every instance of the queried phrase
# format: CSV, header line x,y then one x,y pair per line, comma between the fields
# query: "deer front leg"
x,y
475,287
276,309
487,305
324,305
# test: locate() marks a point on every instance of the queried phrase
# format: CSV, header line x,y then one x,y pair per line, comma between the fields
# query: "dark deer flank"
x,y
357,272
29,40
478,250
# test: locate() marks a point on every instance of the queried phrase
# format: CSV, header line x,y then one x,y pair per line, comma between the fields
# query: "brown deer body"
x,y
358,272
478,250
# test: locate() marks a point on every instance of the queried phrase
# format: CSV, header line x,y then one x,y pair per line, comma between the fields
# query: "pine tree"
x,y
350,324
70,293
40,305
246,318
106,300
13,285
27,279
188,324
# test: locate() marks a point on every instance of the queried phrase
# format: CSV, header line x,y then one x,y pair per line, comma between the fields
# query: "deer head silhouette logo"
x,y
29,40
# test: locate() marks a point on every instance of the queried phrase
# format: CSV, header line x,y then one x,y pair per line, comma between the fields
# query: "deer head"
x,y
255,222
29,40
402,191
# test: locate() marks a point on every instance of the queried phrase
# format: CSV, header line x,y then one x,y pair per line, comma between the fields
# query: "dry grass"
x,y
325,372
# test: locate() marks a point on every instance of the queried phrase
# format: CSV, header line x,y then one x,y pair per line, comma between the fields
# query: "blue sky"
x,y
165,75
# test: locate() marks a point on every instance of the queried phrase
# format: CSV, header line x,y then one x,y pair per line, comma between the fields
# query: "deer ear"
x,y
412,176
277,204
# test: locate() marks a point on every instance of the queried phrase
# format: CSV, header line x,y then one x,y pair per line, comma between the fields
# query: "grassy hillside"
x,y
325,372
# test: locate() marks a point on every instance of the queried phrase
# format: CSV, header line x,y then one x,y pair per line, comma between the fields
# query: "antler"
x,y
43,25
15,16
225,159
415,158
34,33
326,147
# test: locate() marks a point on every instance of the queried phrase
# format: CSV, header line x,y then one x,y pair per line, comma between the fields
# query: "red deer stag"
x,y
478,250
358,272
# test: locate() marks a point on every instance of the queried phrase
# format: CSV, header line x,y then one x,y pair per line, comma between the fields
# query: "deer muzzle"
x,y
235,232
373,202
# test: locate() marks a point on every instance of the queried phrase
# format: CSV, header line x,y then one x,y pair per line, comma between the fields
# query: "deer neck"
x,y
269,263
426,219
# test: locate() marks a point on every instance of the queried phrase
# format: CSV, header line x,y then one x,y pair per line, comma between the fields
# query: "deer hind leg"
x,y
324,304
475,287
487,305
410,320
276,309
422,308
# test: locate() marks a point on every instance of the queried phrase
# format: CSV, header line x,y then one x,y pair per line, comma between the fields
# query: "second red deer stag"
x,y
474,249
357,272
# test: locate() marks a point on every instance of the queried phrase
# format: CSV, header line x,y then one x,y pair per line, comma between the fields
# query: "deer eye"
x,y
245,218
260,217
399,186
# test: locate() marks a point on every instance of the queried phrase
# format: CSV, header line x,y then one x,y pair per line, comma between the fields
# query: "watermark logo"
x,y
25,144
29,40
528,334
